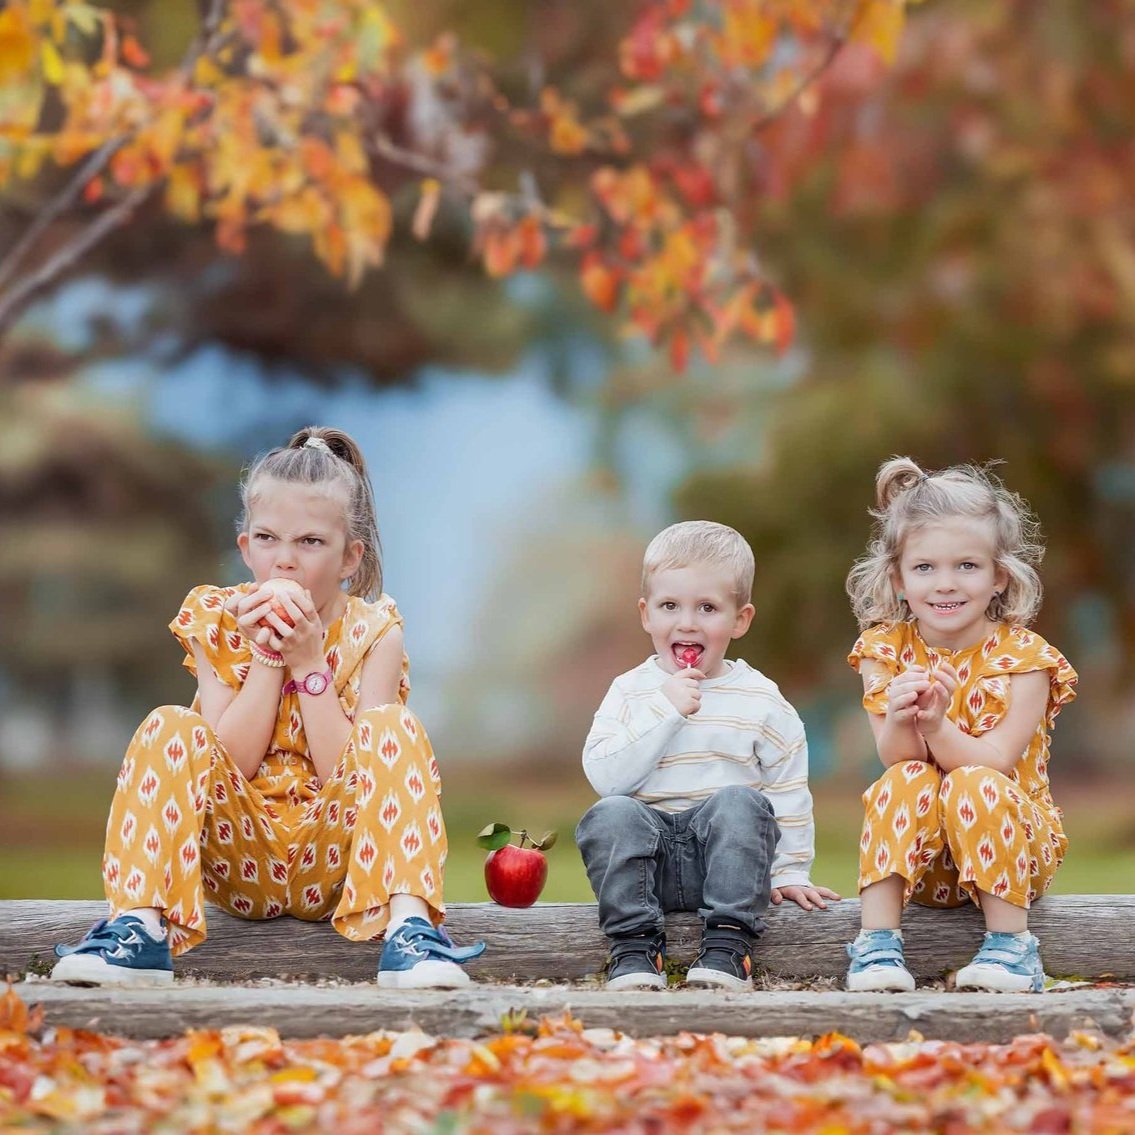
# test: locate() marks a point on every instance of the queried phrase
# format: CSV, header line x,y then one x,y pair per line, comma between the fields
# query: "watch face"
x,y
315,683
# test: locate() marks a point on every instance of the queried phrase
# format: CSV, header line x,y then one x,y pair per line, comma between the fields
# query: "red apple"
x,y
514,875
277,586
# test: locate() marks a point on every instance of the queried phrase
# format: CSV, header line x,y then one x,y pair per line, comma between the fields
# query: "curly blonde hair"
x,y
906,499
334,459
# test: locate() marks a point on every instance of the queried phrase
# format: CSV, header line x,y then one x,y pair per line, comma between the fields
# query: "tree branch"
x,y
15,299
834,48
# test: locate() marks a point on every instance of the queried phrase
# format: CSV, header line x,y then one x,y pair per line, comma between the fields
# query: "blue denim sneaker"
x,y
115,951
420,956
877,963
1006,963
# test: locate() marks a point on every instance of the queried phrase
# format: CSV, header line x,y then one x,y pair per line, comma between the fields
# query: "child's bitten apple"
x,y
278,586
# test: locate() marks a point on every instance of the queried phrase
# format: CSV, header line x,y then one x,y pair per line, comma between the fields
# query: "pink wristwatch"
x,y
315,683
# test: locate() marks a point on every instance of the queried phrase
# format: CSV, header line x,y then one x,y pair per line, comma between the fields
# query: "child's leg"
x,y
726,871
185,821
901,842
901,839
621,842
375,832
1006,851
736,832
174,794
624,845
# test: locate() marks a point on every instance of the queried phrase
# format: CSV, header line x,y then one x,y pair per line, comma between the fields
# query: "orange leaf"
x,y
679,349
600,283
878,23
531,242
133,54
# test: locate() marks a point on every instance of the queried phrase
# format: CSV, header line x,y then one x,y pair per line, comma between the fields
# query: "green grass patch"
x,y
51,839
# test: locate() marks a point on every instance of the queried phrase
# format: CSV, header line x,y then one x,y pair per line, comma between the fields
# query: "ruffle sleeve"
x,y
1019,651
205,619
882,644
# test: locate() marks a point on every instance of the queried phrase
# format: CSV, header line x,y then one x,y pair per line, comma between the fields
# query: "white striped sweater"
x,y
744,733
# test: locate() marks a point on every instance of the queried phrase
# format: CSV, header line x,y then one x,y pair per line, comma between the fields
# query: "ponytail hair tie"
x,y
316,443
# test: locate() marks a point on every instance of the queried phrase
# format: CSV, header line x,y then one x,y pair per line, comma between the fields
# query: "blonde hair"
x,y
908,499
333,459
702,542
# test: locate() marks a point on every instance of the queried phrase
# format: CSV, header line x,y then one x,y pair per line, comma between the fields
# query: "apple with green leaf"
x,y
514,873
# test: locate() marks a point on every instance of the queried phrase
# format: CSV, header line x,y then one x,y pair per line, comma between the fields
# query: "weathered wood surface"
x,y
307,1011
1087,936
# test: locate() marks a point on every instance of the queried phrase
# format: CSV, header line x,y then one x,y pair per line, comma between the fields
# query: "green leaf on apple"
x,y
494,836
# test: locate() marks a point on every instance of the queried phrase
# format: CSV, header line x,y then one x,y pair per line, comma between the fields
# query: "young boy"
x,y
703,770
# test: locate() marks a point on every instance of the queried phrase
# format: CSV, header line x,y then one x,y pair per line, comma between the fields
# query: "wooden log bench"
x,y
1088,937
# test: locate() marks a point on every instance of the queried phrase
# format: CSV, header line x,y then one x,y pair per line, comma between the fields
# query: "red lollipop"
x,y
690,655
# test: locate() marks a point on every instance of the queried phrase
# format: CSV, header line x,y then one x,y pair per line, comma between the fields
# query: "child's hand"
x,y
803,896
932,705
249,610
683,690
904,692
301,644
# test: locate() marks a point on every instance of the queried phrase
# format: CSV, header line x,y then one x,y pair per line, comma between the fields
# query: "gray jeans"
x,y
715,858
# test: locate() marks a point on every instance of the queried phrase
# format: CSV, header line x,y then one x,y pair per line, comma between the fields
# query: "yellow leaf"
x,y
52,63
879,25
748,35
427,208
206,73
17,46
183,193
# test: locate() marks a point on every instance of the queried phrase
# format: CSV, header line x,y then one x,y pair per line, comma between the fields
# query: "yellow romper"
x,y
186,825
951,835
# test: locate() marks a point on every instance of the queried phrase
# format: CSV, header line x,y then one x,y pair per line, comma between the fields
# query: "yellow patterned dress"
x,y
950,835
186,825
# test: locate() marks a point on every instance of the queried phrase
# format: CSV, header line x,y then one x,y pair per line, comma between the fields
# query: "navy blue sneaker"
x,y
725,960
420,956
115,951
1006,963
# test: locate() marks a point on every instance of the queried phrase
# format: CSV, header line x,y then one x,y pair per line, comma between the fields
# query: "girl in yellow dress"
x,y
299,782
961,697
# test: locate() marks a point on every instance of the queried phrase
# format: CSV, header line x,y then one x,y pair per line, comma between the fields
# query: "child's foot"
x,y
725,960
1006,963
116,951
420,956
638,961
877,963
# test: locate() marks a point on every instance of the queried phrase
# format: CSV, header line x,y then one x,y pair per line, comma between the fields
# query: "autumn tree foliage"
x,y
315,118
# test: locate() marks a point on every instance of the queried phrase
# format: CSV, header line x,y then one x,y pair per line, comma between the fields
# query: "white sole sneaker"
x,y
425,975
637,981
701,976
880,979
86,969
996,979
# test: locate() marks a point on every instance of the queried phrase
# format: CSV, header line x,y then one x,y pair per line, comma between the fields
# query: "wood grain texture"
x,y
307,1011
1086,936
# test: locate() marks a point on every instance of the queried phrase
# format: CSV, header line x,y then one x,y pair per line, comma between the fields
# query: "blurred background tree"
x,y
952,234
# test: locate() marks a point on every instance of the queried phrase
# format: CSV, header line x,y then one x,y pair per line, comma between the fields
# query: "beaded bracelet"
x,y
271,658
